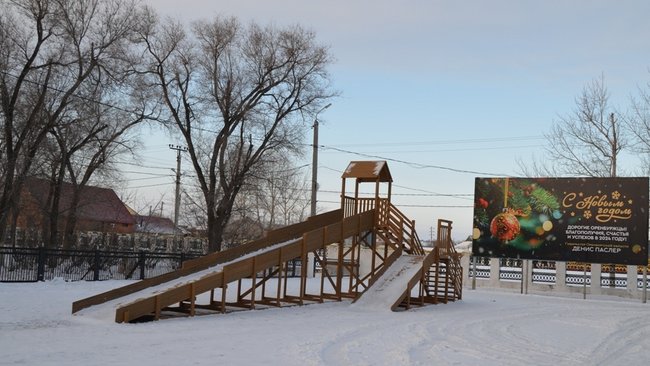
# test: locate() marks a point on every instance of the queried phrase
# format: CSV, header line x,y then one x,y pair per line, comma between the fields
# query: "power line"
x,y
434,193
143,166
454,150
150,185
145,178
141,173
414,164
447,142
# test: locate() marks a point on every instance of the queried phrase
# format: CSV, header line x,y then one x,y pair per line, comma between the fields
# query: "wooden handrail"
x,y
406,227
199,264
241,268
417,277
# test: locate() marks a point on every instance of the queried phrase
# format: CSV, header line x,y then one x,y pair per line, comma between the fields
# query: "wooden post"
x,y
303,269
157,307
192,299
253,284
345,209
280,265
224,287
339,268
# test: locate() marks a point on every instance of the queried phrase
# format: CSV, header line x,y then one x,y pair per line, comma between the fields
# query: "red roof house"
x,y
99,209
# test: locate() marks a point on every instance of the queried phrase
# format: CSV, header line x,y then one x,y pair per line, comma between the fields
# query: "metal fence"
x,y
40,264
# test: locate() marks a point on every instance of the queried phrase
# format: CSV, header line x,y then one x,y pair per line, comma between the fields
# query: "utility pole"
x,y
177,201
314,168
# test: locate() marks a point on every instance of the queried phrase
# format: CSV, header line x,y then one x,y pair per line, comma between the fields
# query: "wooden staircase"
x,y
445,276
395,228
441,277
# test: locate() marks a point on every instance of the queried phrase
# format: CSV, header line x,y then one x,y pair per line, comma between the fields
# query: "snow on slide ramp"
x,y
391,285
106,311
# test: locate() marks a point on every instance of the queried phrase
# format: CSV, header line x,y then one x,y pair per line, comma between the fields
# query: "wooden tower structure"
x,y
256,273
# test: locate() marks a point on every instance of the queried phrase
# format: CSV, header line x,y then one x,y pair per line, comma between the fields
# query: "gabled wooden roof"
x,y
95,203
368,171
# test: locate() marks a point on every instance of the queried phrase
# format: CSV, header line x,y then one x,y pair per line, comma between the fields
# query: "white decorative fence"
x,y
556,277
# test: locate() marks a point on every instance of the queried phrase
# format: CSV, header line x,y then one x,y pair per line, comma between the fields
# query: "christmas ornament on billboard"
x,y
505,226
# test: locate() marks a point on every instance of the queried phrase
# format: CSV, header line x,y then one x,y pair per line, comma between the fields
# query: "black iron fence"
x,y
43,264
40,264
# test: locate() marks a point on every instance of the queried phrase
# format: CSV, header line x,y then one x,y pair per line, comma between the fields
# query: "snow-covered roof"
x,y
368,171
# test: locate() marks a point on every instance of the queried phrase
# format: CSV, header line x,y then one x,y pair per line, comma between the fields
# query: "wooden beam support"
x,y
192,299
157,311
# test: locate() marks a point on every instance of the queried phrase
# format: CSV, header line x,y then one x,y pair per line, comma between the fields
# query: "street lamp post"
x,y
314,168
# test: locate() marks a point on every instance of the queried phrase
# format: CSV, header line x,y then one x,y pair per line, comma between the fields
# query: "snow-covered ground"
x,y
485,328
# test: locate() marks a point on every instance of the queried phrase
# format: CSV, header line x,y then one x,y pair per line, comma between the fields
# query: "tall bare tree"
x,y
589,140
638,122
235,93
50,51
280,196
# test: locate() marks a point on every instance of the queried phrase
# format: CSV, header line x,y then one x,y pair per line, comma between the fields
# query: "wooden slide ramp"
x,y
389,290
414,280
260,261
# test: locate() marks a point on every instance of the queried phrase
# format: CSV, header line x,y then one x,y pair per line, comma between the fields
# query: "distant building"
x,y
154,225
99,209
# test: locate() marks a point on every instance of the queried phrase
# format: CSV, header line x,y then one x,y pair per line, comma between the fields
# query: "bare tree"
x,y
235,93
280,195
51,51
638,122
589,140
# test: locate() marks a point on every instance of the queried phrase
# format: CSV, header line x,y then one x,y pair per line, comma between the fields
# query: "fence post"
x,y
182,260
96,266
141,260
40,272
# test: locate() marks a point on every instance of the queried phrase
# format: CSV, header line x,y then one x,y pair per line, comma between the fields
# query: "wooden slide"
x,y
266,257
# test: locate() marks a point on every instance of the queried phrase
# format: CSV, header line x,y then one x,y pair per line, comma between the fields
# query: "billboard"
x,y
594,220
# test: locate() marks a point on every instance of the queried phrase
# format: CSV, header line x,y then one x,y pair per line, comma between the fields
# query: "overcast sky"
x,y
466,85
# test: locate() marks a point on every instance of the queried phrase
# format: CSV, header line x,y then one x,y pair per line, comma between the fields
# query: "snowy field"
x,y
485,328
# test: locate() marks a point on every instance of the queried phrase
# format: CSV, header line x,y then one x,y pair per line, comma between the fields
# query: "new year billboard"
x,y
596,220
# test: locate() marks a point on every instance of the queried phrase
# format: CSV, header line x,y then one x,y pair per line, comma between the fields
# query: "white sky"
x,y
469,85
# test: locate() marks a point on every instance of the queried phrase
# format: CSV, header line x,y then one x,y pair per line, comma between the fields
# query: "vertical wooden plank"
x,y
436,273
263,295
192,299
239,290
278,292
339,268
423,273
285,276
303,269
224,288
157,308
322,262
323,272
343,203
253,282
